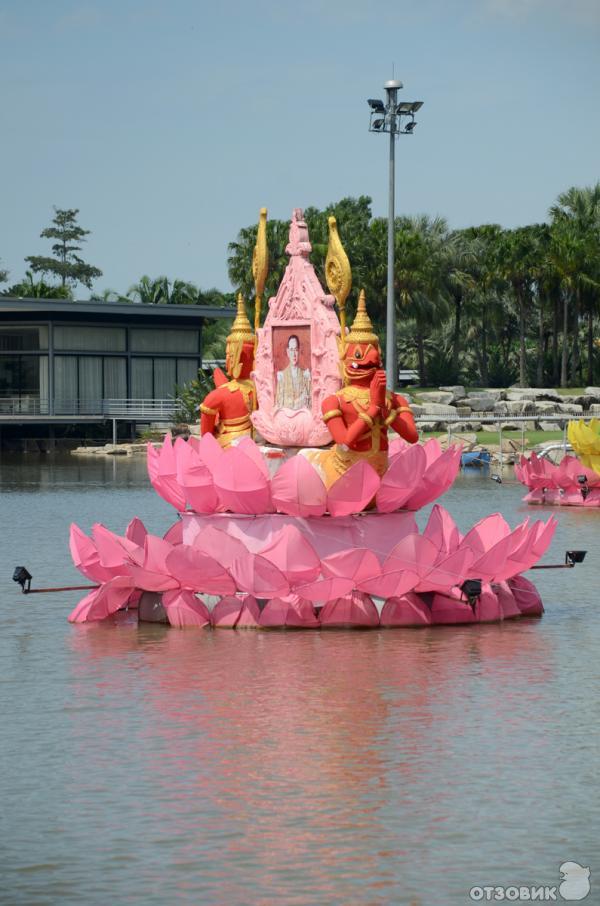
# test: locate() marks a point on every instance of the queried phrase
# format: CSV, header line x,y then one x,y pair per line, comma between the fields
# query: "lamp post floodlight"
x,y
397,119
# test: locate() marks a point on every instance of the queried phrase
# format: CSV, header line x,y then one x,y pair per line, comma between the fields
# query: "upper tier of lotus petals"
x,y
199,476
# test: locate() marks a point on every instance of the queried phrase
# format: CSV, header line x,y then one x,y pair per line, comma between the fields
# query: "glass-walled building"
x,y
59,357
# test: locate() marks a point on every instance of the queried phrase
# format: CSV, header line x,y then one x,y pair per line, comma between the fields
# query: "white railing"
x,y
150,409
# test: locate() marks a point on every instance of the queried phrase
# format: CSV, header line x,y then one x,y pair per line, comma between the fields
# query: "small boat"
x,y
477,458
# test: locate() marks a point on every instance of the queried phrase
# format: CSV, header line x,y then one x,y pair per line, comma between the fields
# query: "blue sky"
x,y
169,124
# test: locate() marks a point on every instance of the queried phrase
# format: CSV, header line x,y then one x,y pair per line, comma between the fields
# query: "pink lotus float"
x,y
568,484
200,476
279,570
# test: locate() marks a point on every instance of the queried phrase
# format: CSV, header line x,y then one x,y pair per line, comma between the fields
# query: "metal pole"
x,y
391,367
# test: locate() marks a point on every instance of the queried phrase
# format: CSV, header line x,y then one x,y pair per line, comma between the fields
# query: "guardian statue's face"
x,y
361,361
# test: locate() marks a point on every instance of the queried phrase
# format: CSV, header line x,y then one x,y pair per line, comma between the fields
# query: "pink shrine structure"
x,y
264,544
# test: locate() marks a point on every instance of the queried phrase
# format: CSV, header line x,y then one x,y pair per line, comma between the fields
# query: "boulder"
x,y
438,409
595,410
417,410
494,392
457,391
463,411
439,397
549,426
570,409
533,393
593,391
481,403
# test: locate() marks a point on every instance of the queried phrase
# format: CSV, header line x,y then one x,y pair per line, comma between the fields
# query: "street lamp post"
x,y
397,119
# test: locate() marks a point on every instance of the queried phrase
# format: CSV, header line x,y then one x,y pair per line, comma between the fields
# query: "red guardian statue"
x,y
226,411
358,416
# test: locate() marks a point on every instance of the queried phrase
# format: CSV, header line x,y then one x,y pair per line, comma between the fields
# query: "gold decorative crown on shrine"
x,y
241,330
362,329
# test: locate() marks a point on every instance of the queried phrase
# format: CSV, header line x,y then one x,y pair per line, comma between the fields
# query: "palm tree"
x,y
576,232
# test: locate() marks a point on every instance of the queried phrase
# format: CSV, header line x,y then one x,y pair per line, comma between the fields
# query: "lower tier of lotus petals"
x,y
275,570
569,484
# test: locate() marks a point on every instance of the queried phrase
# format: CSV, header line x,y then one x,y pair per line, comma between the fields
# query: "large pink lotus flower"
x,y
568,484
200,476
295,568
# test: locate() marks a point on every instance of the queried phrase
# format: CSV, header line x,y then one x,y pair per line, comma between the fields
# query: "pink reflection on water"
x,y
310,763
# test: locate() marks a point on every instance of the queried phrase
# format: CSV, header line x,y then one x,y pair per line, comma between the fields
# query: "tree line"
x,y
483,305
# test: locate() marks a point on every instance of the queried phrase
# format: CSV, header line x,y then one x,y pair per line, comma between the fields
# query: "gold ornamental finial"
x,y
362,329
241,332
241,328
260,265
338,273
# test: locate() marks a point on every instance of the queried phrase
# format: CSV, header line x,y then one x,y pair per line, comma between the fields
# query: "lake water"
x,y
148,765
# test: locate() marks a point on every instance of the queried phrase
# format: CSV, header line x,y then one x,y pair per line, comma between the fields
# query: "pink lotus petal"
x,y
489,565
408,610
195,479
156,551
446,610
487,606
249,617
162,469
257,576
397,445
391,584
486,533
226,613
358,564
413,552
292,612
437,478
293,555
251,449
432,450
174,534
103,602
354,490
354,610
526,596
136,531
297,489
198,571
150,580
451,571
401,479
210,452
229,549
184,609
241,485
325,589
112,549
441,530
86,557
508,604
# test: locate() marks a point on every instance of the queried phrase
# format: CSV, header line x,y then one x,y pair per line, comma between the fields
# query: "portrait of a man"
x,y
293,382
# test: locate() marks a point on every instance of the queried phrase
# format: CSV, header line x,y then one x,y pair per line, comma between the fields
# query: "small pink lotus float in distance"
x,y
568,484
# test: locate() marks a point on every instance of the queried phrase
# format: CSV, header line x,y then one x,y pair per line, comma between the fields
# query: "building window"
x,y
92,339
82,383
15,339
158,378
142,339
24,384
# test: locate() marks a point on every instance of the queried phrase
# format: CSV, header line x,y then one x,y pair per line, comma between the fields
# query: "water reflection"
x,y
276,755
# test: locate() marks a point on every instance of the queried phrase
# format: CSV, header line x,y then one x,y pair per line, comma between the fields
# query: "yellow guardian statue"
x,y
226,411
585,440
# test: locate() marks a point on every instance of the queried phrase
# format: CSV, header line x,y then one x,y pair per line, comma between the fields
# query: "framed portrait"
x,y
291,365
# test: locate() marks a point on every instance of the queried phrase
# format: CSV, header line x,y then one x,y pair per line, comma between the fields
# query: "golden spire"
x,y
337,272
260,265
362,329
241,328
